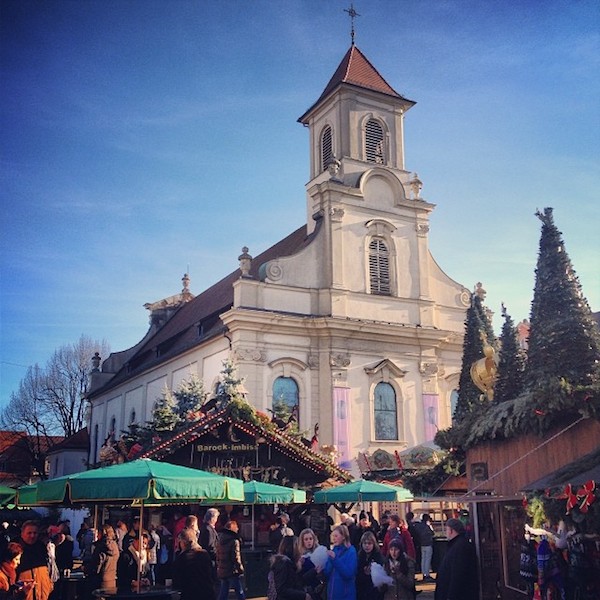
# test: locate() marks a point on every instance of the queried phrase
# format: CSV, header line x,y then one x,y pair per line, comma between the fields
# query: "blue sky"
x,y
143,138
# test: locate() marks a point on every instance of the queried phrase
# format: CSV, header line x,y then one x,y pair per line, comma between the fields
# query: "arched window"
x,y
286,401
132,416
379,267
113,426
453,402
386,413
374,140
326,147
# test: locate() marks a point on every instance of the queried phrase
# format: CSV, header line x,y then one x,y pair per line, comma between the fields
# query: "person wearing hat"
x,y
457,576
364,525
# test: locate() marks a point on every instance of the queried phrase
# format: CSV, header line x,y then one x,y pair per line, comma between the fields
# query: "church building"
x,y
349,321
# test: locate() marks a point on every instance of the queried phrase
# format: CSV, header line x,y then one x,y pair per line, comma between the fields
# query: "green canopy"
x,y
7,495
257,492
363,491
27,495
141,481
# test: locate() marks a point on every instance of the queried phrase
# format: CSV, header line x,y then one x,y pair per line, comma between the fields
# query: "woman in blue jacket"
x,y
340,569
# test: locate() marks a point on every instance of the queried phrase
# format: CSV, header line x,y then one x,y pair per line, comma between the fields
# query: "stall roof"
x,y
577,472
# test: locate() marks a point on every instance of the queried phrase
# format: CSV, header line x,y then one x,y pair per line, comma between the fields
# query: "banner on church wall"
x,y
431,413
341,425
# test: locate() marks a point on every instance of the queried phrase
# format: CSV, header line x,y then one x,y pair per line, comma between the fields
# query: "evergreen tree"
x,y
564,341
190,396
511,364
164,416
477,323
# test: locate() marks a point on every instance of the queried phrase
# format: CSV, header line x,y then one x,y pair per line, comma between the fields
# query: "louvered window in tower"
x,y
379,267
374,142
326,148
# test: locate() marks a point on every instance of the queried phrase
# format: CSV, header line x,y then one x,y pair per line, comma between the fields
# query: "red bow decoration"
x,y
571,498
586,495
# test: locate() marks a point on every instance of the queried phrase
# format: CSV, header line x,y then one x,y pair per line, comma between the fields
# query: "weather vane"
x,y
353,14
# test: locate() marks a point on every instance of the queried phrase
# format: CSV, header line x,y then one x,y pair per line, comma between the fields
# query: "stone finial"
x,y
480,291
245,262
96,360
416,185
334,167
186,283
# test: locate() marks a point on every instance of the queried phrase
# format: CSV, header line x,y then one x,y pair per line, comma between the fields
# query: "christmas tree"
x,y
564,341
511,364
477,324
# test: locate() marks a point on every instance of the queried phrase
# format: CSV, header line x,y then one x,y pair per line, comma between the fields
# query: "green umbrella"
x,y
27,495
141,481
363,491
257,492
7,495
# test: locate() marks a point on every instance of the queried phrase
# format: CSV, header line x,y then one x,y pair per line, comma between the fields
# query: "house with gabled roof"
x,y
348,322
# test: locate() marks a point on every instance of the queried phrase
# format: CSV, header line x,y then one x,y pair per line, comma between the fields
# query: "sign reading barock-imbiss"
x,y
225,447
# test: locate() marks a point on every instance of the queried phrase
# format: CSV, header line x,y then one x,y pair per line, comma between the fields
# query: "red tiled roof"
x,y
181,331
78,441
355,69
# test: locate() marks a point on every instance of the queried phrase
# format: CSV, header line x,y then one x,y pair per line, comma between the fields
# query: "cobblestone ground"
x,y
426,589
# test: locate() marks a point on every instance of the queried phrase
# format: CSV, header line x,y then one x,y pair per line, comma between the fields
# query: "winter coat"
x,y
208,540
312,581
456,577
404,535
365,590
340,573
285,579
403,587
193,575
103,566
64,554
8,587
127,569
229,555
34,565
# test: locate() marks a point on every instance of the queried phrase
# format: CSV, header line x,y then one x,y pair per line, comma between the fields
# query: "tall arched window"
x,y
286,401
326,147
386,412
132,416
374,151
379,267
113,426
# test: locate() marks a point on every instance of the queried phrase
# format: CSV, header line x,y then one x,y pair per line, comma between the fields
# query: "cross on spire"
x,y
352,14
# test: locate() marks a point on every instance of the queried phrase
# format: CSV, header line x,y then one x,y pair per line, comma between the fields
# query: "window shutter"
x,y
326,148
379,268
374,142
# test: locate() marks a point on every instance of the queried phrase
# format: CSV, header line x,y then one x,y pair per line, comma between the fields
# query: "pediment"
x,y
386,367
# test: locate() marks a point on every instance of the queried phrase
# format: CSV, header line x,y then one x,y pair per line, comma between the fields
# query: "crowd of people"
x,y
361,559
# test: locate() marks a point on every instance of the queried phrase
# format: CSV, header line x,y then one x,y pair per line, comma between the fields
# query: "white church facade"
x,y
349,320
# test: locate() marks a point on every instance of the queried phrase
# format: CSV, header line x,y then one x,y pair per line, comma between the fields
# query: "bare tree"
x,y
50,402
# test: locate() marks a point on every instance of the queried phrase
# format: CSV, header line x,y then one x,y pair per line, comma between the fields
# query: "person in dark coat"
x,y
193,573
229,561
63,551
457,576
284,580
208,533
34,562
368,554
364,525
133,561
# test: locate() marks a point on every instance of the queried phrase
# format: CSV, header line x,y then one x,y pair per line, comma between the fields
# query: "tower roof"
x,y
355,69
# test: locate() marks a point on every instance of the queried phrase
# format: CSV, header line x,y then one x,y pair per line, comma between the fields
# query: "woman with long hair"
x,y
283,580
310,574
367,555
401,568
340,568
9,561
